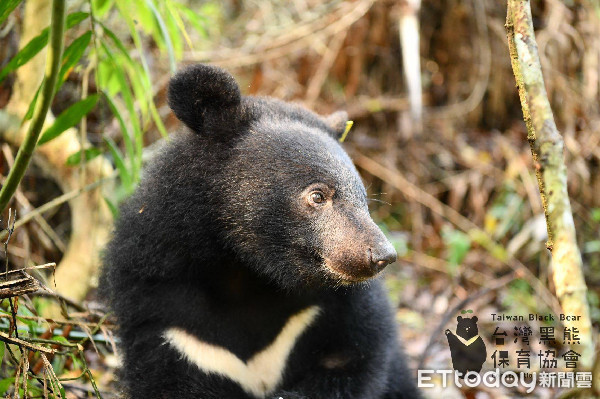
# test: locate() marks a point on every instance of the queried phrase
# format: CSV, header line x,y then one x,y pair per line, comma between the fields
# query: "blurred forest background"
x,y
446,162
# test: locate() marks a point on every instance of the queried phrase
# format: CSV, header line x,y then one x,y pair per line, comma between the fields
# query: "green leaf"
x,y
89,154
129,103
139,12
61,339
107,80
124,131
6,7
194,18
29,112
140,91
116,41
140,83
36,44
71,56
158,121
176,17
69,118
123,86
173,28
596,215
101,7
120,163
458,244
165,34
113,208
2,348
6,383
75,18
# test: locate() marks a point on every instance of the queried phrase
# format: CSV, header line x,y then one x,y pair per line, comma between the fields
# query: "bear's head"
x,y
290,201
467,327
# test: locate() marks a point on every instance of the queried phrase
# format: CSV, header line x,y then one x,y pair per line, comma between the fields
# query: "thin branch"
x,y
547,148
24,344
60,200
53,59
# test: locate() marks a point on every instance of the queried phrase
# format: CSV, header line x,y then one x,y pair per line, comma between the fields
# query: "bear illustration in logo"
x,y
466,347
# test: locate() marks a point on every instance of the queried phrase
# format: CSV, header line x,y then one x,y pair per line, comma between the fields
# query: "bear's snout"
x,y
381,255
357,250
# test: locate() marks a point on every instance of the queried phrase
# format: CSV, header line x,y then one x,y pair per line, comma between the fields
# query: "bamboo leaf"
x,y
196,19
164,33
158,121
113,208
72,55
75,18
139,89
140,84
119,163
101,7
123,86
116,41
36,44
89,154
29,112
6,7
69,118
173,29
107,79
173,11
124,131
129,103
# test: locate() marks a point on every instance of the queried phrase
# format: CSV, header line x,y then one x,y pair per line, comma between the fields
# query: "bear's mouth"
x,y
341,276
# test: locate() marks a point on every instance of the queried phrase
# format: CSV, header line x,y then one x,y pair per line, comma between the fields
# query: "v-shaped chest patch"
x,y
469,342
263,372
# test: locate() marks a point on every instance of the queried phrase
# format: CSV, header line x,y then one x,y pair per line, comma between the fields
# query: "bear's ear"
x,y
205,97
474,319
459,318
337,123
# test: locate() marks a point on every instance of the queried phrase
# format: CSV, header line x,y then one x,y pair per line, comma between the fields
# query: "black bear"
x,y
466,347
239,267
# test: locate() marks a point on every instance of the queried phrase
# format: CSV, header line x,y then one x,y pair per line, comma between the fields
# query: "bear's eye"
x,y
317,197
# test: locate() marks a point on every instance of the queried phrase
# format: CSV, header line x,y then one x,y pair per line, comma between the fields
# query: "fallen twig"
x,y
24,344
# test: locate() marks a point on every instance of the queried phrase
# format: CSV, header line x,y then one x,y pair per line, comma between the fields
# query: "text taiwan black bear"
x,y
466,347
238,268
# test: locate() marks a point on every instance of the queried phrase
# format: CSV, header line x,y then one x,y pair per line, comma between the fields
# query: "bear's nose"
x,y
381,257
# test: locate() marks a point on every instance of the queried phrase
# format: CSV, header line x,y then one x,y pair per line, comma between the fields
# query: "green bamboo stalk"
x,y
547,147
53,58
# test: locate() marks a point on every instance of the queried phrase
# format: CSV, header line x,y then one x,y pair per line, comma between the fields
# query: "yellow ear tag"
x,y
348,127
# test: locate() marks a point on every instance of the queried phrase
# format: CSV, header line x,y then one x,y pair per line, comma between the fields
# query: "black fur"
x,y
219,240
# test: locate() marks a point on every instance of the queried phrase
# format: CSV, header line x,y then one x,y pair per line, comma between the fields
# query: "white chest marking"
x,y
465,342
261,374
